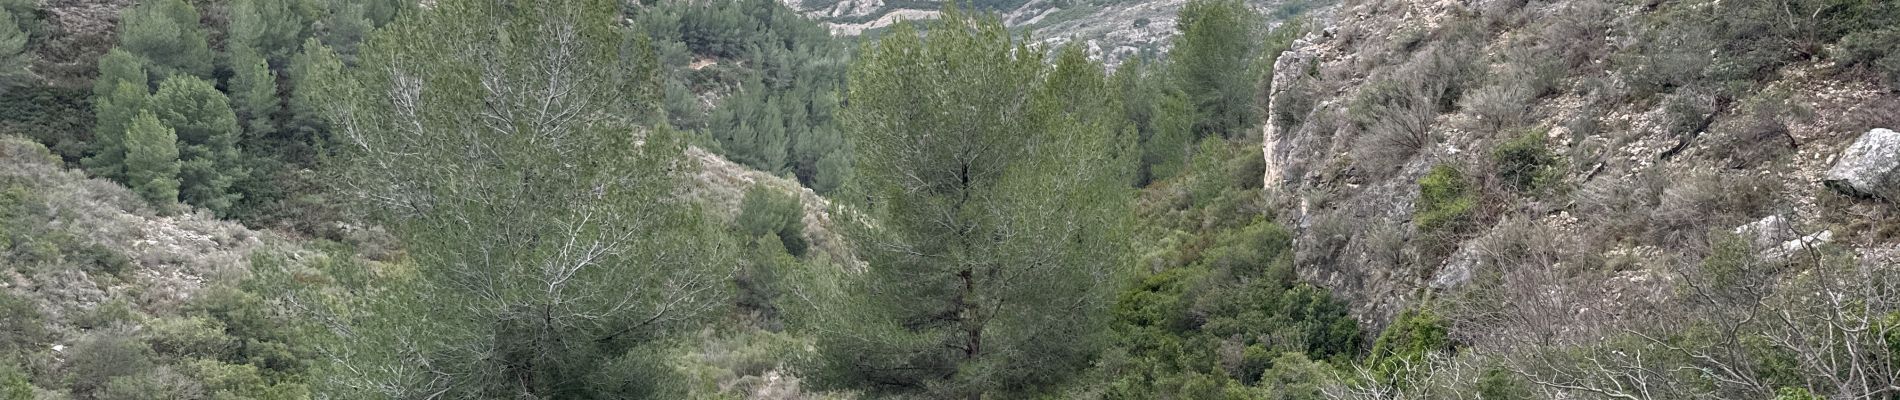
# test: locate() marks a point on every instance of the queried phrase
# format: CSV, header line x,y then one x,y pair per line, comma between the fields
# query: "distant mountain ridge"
x,y
1111,30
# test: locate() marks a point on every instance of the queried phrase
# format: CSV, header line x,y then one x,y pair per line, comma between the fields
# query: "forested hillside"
x,y
755,199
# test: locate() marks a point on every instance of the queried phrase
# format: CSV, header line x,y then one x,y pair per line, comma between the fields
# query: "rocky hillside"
x,y
1578,163
1111,30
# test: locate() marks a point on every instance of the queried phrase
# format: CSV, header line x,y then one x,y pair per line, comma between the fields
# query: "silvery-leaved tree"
x,y
996,204
504,142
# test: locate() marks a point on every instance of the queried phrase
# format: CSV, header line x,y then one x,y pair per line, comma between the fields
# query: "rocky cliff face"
x,y
1568,159
1112,31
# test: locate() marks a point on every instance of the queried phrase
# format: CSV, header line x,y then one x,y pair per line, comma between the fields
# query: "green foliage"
x,y
119,66
151,161
59,118
259,336
1406,343
1222,314
1446,200
15,57
306,123
783,75
1212,62
1795,393
29,239
157,383
1525,163
1294,377
253,90
166,35
119,94
524,229
769,211
22,329
116,112
13,382
1731,47
1499,383
1166,151
207,141
241,381
100,358
994,215
188,337
272,28
1877,50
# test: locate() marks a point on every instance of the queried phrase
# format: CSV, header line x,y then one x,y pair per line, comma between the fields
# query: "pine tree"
x,y
119,93
254,90
270,27
1166,152
994,218
151,161
306,124
15,57
547,247
207,140
1212,60
345,26
166,34
120,66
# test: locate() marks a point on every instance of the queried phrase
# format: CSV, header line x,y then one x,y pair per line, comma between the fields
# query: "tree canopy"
x,y
996,212
507,144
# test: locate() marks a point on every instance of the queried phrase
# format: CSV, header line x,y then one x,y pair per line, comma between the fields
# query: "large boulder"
x,y
1870,167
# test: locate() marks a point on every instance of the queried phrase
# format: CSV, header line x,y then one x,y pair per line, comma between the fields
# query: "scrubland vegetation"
x,y
366,199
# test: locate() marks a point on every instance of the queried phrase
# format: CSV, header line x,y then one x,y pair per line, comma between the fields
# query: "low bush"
x,y
104,356
1875,50
1446,201
1411,337
1525,164
22,328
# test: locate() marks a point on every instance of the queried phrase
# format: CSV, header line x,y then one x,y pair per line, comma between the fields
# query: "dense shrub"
x,y
1757,136
1876,50
1499,383
1411,337
102,357
770,211
1229,316
1446,201
22,328
1525,164
61,119
13,382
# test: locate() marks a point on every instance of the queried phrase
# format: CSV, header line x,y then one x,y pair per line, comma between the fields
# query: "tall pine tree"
x,y
1212,64
207,140
254,90
151,161
118,95
993,221
500,141
166,34
15,57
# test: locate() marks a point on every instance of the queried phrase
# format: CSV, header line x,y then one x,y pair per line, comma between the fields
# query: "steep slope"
x,y
1559,173
72,243
720,185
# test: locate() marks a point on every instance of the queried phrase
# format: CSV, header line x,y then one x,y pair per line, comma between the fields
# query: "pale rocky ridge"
x,y
1113,32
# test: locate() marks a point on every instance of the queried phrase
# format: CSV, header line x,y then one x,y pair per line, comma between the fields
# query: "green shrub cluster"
x,y
1404,345
1525,164
770,211
1446,200
1217,310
